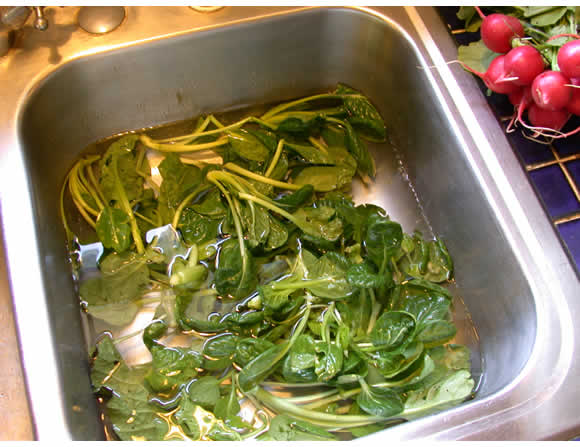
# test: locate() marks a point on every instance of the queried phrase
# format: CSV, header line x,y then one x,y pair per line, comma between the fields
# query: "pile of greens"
x,y
284,285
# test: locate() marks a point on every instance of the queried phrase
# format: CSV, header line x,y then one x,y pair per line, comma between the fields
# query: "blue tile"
x,y
570,232
570,145
529,151
574,169
555,191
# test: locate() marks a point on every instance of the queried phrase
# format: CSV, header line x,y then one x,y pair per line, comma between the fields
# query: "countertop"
x,y
14,414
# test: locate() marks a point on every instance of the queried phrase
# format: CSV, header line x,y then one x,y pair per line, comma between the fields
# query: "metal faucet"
x,y
14,17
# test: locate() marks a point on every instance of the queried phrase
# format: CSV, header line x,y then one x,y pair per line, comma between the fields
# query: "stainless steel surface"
x,y
169,63
101,19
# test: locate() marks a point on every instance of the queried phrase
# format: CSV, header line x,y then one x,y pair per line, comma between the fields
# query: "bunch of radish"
x,y
547,97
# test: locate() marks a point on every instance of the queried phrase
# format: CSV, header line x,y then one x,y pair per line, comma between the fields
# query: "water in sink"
x,y
392,190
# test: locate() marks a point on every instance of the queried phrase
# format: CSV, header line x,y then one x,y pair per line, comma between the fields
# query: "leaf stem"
x,y
260,178
180,147
275,158
127,207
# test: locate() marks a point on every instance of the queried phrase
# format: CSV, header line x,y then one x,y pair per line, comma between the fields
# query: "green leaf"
x,y
185,417
328,361
291,202
260,367
447,392
247,146
131,181
204,392
285,428
476,55
179,180
124,279
549,17
113,229
249,348
319,222
382,402
227,409
131,415
364,275
362,114
324,178
300,361
196,228
382,240
393,329
172,367
235,276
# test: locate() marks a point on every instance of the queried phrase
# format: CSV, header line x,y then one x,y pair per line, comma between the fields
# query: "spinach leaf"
x,y
285,428
179,180
449,391
204,391
260,367
362,114
382,402
319,222
393,329
235,276
124,278
172,367
113,229
196,228
248,146
364,275
291,202
382,240
130,179
328,361
249,348
324,178
300,361
128,408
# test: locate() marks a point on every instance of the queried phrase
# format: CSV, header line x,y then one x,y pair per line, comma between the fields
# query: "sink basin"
x,y
448,170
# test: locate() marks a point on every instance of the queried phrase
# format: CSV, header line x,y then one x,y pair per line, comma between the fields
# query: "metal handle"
x,y
14,17
40,22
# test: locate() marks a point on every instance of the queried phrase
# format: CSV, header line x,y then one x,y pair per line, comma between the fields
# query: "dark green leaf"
x,y
393,329
382,402
113,229
260,367
204,392
172,367
247,146
285,428
329,359
235,276
362,114
382,240
131,181
179,180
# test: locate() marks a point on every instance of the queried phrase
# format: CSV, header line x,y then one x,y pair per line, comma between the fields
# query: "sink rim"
x,y
484,161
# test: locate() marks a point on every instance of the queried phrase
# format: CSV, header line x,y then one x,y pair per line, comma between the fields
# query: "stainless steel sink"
x,y
447,170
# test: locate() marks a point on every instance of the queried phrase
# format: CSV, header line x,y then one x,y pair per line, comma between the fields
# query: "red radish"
x,y
524,64
550,90
574,104
569,58
520,97
495,77
548,119
498,30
